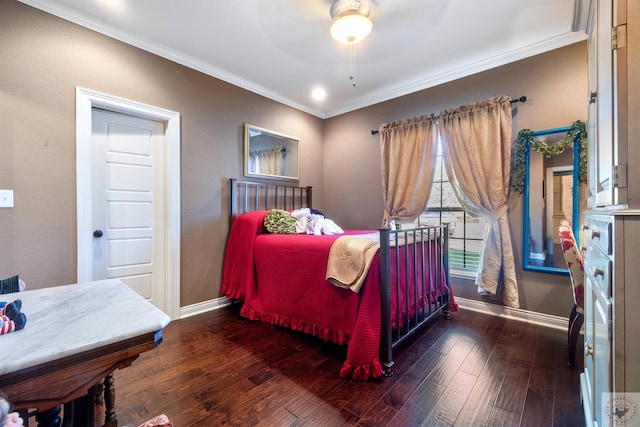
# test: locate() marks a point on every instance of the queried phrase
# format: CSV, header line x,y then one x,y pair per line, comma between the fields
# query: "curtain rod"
x,y
522,99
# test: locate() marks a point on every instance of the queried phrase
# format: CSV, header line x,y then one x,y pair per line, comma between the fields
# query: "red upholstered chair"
x,y
573,257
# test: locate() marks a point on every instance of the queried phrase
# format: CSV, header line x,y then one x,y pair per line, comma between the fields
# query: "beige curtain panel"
x,y
267,161
408,151
477,145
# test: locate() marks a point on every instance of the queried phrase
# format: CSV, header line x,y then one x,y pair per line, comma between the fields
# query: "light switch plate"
x,y
6,198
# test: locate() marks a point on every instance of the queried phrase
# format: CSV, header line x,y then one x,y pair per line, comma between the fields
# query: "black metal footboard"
x,y
414,283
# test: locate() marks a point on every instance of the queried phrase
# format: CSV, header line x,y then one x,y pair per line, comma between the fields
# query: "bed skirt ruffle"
x,y
363,372
359,372
337,337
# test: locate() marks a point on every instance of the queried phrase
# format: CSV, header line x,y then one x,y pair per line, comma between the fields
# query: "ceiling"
x,y
282,49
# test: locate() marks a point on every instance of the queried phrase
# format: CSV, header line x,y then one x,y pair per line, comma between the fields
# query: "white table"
x,y
75,337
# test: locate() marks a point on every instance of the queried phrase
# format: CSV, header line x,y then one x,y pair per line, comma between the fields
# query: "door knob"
x,y
588,350
97,233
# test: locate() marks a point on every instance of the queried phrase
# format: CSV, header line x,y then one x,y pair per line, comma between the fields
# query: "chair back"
x,y
573,257
11,284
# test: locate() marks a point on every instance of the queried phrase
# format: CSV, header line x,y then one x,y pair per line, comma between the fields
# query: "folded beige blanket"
x,y
350,258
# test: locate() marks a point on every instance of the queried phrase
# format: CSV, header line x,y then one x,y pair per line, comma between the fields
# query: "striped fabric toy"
x,y
11,318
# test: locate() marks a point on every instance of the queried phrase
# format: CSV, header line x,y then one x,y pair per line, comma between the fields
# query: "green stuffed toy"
x,y
278,221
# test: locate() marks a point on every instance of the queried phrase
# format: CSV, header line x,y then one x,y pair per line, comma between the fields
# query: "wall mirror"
x,y
269,154
551,189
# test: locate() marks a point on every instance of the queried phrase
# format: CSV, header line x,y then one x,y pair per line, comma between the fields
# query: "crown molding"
x,y
163,51
460,72
426,82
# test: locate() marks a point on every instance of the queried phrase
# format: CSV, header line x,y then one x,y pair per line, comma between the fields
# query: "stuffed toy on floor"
x,y
8,418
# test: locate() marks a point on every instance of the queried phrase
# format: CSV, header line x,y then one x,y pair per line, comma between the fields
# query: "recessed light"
x,y
113,5
318,94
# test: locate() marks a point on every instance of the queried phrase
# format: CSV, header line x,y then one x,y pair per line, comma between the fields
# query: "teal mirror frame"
x,y
526,211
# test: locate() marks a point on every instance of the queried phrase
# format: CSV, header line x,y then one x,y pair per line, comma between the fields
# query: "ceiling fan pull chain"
x,y
352,77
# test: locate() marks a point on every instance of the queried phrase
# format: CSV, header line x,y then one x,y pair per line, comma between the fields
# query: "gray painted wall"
x,y
45,58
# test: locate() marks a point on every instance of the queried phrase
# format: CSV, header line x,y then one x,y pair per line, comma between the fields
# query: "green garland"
x,y
526,140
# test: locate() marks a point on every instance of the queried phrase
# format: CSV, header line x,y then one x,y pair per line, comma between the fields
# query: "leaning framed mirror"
x,y
269,154
554,170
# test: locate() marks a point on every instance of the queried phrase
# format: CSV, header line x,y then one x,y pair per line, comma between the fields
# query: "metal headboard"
x,y
246,196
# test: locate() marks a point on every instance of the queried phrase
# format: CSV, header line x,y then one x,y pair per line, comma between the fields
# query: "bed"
x,y
283,279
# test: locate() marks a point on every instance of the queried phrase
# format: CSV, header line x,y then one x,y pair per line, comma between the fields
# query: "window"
x,y
466,232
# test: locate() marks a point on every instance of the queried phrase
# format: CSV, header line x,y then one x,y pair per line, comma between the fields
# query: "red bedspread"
x,y
282,281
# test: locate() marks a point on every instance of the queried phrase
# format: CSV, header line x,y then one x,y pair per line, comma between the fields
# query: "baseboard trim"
x,y
541,319
535,318
204,307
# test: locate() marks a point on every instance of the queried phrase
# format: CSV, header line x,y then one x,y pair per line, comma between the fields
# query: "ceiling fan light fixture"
x,y
351,28
351,21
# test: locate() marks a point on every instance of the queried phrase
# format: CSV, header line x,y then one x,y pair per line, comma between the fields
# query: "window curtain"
x,y
477,145
268,160
408,151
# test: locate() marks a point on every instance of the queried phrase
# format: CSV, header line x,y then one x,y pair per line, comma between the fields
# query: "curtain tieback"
x,y
499,212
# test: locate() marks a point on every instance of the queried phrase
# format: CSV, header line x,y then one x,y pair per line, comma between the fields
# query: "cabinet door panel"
x,y
587,377
601,355
592,128
605,104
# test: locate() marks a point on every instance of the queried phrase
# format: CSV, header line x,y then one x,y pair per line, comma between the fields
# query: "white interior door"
x,y
128,202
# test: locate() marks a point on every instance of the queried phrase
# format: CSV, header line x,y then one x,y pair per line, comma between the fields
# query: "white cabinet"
x,y
614,89
612,227
612,314
596,377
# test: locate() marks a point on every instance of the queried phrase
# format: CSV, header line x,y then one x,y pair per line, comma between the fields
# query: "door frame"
x,y
552,232
87,99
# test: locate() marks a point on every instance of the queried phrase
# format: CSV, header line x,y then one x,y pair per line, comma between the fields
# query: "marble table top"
x,y
68,320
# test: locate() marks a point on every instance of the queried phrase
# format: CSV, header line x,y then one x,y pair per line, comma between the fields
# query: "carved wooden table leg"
x,y
99,393
110,419
49,418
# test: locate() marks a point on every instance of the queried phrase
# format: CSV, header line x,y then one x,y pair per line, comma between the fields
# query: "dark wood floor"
x,y
476,370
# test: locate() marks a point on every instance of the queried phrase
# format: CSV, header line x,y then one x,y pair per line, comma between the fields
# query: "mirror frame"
x,y
290,143
575,202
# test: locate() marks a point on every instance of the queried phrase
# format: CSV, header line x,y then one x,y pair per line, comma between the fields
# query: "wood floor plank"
x,y
448,407
379,415
446,370
502,418
477,409
477,358
260,402
547,350
218,369
281,417
485,339
514,389
566,380
404,388
416,409
538,408
365,395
